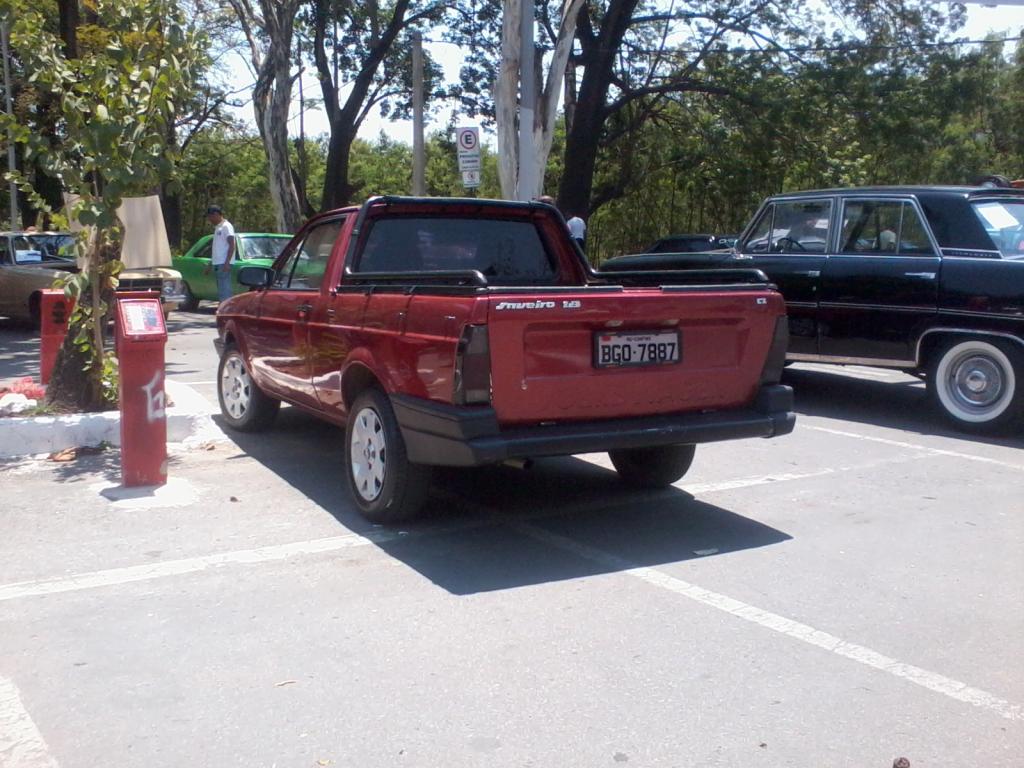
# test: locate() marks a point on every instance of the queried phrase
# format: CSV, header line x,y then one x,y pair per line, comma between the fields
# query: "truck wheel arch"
x,y
357,378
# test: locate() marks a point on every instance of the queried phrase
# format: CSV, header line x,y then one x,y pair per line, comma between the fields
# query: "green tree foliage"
x,y
135,61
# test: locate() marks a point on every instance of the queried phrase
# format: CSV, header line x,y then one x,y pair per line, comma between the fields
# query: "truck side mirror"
x,y
256,277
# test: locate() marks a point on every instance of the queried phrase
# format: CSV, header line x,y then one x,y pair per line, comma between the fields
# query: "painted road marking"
x,y
21,744
916,447
150,571
933,681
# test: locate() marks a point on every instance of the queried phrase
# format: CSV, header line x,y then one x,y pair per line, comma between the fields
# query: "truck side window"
x,y
5,251
304,266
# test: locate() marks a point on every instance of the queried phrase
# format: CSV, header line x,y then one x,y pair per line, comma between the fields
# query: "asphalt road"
x,y
838,597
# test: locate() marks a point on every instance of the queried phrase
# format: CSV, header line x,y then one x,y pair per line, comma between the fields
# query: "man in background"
x,y
223,250
577,230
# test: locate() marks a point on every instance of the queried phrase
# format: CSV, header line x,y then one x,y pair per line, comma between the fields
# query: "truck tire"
x,y
656,467
978,383
386,487
243,405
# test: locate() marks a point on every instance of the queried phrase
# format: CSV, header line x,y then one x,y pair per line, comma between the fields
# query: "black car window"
x,y
303,267
952,224
760,237
5,250
801,226
881,227
870,226
913,233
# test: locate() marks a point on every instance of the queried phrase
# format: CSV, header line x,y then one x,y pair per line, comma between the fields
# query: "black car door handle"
x,y
920,275
809,273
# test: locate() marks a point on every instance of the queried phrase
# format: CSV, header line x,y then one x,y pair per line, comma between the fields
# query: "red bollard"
x,y
141,336
54,313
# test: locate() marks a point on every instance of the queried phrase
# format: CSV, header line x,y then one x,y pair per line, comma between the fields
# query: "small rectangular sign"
x,y
141,318
467,142
471,178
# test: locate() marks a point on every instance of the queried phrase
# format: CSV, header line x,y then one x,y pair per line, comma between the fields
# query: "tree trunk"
x,y
68,24
505,103
338,192
583,140
271,103
170,204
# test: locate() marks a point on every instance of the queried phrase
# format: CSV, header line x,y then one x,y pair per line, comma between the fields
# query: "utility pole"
x,y
419,162
11,160
528,183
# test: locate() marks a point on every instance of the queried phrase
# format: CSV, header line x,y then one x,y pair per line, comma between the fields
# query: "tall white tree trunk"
x,y
506,87
272,96
506,90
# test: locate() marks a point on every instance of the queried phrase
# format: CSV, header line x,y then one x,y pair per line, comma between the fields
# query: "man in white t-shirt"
x,y
577,229
223,250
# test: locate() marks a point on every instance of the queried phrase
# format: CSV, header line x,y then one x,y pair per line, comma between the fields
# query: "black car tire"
x,y
191,303
656,467
386,487
978,383
243,405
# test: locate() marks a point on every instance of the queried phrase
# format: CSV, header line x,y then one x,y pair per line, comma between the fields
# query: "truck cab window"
x,y
504,251
304,265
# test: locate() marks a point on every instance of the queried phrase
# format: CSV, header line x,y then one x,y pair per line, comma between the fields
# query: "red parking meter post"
x,y
141,336
54,313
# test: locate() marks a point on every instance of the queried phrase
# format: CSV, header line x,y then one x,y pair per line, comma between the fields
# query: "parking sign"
x,y
468,143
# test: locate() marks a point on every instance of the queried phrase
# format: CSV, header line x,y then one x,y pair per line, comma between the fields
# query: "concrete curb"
x,y
189,422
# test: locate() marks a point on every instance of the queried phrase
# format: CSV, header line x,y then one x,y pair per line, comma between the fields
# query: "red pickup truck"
x,y
471,332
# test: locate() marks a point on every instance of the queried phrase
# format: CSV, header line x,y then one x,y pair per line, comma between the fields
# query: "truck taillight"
x,y
776,360
473,367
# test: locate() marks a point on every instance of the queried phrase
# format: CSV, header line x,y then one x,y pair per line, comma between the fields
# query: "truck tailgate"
x,y
586,354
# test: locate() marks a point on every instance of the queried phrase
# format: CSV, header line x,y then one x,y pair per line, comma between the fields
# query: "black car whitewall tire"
x,y
385,485
243,405
977,383
656,467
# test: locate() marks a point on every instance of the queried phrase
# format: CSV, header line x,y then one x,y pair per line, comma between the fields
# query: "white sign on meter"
x,y
467,141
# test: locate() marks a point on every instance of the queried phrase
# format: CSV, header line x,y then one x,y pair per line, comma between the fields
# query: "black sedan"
x,y
925,279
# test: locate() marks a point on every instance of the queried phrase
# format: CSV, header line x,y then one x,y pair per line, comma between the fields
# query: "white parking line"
x,y
150,571
21,744
916,447
933,681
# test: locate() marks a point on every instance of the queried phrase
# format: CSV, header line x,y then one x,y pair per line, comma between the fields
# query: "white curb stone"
x,y
188,421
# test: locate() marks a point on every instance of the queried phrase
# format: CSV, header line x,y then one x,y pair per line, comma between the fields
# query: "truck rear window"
x,y
505,252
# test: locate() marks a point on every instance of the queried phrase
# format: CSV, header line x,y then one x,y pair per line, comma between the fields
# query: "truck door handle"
x,y
921,275
304,309
809,273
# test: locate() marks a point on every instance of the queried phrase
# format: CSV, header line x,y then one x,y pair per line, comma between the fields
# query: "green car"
x,y
252,249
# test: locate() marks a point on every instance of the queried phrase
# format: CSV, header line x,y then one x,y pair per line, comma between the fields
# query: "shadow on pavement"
x,y
19,351
903,405
502,515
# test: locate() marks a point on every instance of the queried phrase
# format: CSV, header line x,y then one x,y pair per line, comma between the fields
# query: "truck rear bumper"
x,y
455,436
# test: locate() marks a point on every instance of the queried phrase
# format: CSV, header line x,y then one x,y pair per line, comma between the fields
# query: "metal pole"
x,y
419,185
11,159
528,183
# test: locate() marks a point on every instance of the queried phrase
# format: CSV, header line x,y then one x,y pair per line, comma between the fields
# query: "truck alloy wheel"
x,y
242,404
976,383
385,485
